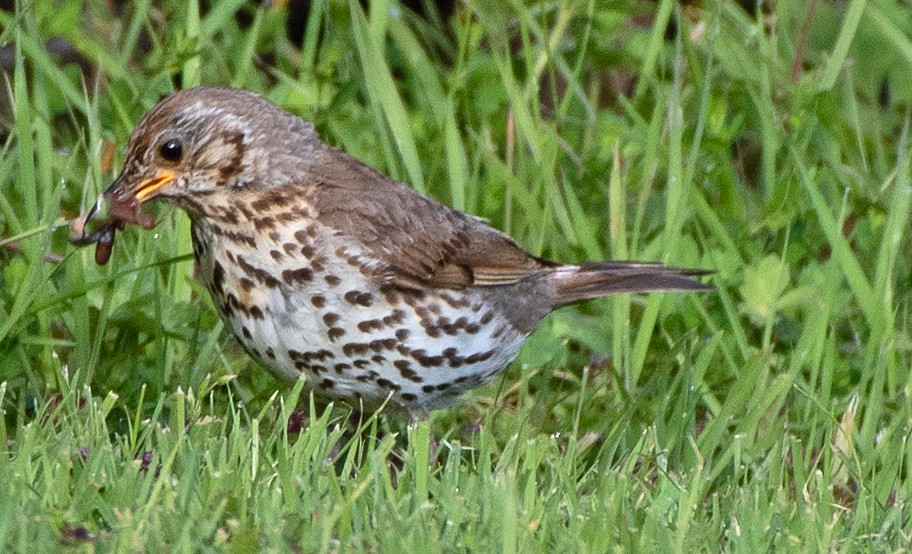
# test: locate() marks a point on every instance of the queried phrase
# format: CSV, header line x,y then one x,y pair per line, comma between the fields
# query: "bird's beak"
x,y
147,188
124,198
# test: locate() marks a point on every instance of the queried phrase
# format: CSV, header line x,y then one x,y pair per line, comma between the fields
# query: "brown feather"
x,y
596,279
417,240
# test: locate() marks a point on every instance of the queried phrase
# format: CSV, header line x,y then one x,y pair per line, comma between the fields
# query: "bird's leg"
x,y
424,443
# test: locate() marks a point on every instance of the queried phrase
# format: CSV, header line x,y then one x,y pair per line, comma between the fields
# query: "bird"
x,y
322,266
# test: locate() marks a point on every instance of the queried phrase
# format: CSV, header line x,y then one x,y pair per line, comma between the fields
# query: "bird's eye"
x,y
172,150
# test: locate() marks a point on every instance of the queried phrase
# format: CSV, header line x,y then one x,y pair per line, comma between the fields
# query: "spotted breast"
x,y
302,299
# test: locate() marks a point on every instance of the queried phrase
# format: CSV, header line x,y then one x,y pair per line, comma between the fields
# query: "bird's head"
x,y
207,141
195,149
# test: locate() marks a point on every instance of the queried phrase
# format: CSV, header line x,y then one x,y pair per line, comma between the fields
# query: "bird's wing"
x,y
415,241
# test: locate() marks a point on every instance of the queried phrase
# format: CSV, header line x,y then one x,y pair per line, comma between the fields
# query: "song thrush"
x,y
321,265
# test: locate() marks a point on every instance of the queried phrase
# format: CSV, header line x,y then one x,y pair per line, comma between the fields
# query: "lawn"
x,y
768,142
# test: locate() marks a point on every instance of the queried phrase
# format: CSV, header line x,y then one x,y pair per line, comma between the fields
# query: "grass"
x,y
773,414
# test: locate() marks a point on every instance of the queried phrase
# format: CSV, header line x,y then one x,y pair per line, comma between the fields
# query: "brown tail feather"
x,y
592,280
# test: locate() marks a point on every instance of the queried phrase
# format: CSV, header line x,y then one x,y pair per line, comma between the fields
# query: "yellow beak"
x,y
148,187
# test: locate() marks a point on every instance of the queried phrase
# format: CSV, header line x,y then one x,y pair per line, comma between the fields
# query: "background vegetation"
x,y
766,141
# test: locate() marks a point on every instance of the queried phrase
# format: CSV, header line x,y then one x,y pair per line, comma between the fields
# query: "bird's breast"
x,y
303,299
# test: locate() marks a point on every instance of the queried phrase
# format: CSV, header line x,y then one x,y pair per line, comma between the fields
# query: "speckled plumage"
x,y
322,265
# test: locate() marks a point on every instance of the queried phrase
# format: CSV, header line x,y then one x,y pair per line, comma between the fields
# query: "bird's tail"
x,y
573,283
